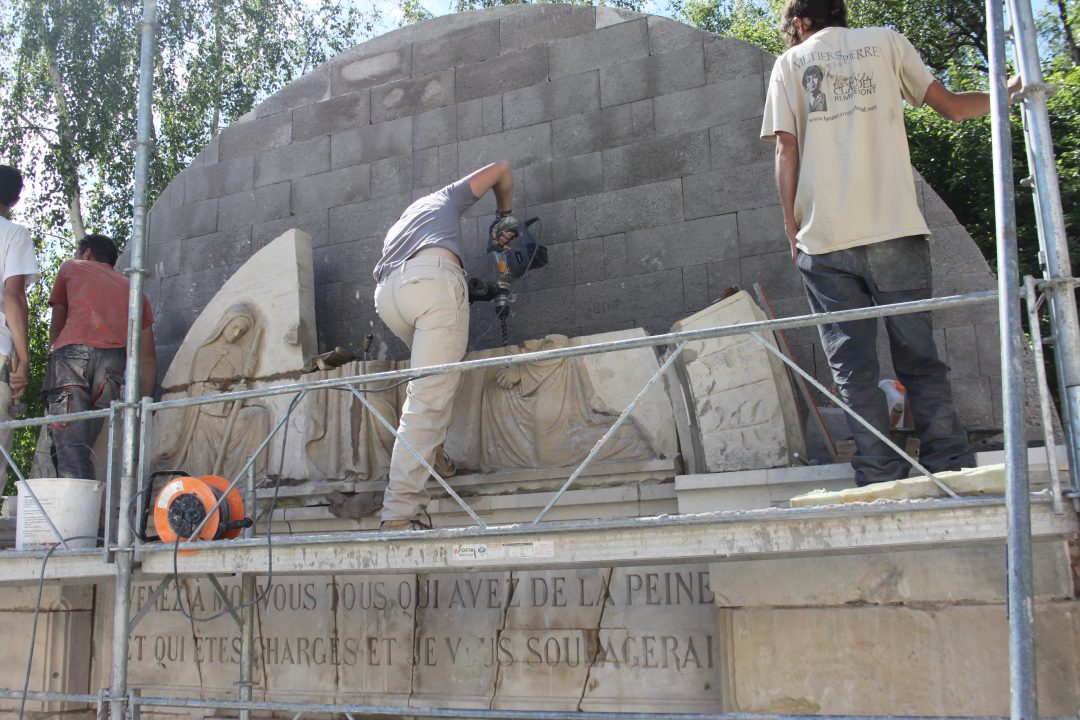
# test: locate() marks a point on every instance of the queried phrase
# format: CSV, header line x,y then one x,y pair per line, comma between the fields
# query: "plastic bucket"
x,y
74,506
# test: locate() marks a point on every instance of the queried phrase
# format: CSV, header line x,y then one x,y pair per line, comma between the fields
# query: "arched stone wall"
x,y
633,137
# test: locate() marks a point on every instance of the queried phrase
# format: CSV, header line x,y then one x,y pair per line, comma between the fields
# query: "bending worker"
x,y
423,298
851,215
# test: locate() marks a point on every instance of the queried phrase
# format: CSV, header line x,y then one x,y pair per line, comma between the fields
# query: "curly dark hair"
x,y
820,13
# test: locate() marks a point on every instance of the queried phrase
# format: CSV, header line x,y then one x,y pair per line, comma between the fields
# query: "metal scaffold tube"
x,y
124,531
1052,220
1024,700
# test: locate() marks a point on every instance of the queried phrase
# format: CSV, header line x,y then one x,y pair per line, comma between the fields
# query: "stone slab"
x,y
600,48
61,650
549,100
614,379
657,74
330,116
741,394
412,96
356,71
309,89
986,480
896,660
629,209
953,576
288,300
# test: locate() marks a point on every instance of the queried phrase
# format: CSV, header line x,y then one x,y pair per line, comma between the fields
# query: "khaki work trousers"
x,y
425,303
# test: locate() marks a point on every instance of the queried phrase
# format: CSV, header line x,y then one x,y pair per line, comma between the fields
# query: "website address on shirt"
x,y
827,118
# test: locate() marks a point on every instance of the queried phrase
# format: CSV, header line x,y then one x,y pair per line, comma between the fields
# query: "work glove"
x,y
506,223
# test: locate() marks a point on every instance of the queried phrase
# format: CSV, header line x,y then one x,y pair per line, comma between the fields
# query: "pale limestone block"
x,y
544,667
259,327
621,501
658,643
715,492
279,283
740,393
316,638
558,599
54,598
375,626
896,660
989,480
952,575
454,635
62,646
616,379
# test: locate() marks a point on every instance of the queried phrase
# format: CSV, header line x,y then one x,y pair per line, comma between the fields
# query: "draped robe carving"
x,y
539,415
216,439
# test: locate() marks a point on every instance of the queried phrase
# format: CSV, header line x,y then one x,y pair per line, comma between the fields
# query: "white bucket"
x,y
74,506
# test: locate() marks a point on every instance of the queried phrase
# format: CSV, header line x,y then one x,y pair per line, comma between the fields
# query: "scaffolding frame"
x,y
1057,288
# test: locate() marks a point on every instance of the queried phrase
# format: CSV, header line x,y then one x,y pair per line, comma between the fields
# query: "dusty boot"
x,y
404,524
443,464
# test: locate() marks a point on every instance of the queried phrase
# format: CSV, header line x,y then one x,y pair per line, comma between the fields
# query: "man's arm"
x,y
17,312
57,322
787,181
962,106
147,363
498,177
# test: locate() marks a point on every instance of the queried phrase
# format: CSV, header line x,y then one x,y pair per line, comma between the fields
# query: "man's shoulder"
x,y
11,230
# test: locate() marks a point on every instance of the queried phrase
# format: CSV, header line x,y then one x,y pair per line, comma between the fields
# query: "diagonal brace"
x,y
427,466
611,431
859,418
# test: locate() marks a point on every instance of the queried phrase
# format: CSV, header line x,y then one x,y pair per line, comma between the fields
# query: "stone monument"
x,y
634,139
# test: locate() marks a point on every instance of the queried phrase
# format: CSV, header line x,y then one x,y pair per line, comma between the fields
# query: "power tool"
x,y
185,502
511,263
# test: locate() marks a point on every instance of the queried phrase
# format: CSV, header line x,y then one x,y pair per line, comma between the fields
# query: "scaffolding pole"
x,y
1023,697
1059,286
124,532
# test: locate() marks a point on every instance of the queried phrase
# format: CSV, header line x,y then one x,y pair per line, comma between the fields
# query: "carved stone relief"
x,y
549,414
217,439
739,393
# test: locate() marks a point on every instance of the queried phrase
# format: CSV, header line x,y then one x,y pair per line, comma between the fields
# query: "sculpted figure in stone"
x,y
538,415
341,439
216,439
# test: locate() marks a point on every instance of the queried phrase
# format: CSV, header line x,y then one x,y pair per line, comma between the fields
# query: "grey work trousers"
x,y
883,273
425,303
78,378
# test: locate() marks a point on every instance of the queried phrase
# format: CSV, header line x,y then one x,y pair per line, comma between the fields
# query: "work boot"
x,y
443,464
403,524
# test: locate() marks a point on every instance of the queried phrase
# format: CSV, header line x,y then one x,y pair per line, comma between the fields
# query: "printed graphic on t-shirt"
x,y
836,79
812,80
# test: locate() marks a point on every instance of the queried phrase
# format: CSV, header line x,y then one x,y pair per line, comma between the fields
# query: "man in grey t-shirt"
x,y
423,298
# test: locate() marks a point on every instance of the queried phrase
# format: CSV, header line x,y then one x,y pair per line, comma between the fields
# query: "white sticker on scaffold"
x,y
472,553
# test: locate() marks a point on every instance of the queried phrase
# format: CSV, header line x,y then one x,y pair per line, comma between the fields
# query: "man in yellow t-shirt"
x,y
843,171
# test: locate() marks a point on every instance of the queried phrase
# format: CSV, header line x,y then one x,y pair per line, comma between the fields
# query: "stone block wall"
x,y
632,137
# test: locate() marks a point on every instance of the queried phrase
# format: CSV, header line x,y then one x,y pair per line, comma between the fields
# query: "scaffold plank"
x,y
712,537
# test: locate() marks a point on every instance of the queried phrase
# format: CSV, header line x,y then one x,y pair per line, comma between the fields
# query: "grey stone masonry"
x,y
633,138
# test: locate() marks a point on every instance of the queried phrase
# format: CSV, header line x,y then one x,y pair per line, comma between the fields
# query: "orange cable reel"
x,y
185,502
